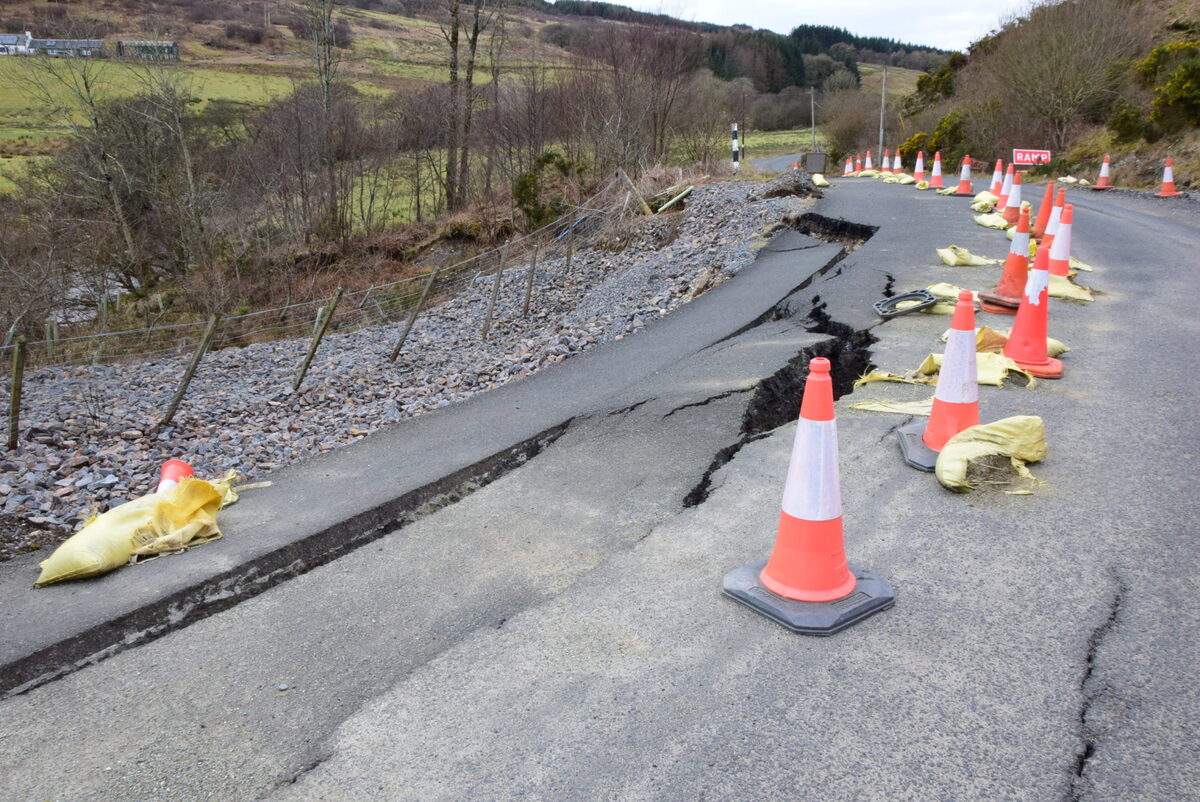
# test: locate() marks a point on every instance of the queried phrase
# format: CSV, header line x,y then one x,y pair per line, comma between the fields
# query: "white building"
x,y
15,43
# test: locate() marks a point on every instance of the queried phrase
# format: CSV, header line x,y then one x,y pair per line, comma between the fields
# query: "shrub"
x,y
1127,123
950,136
917,142
1176,103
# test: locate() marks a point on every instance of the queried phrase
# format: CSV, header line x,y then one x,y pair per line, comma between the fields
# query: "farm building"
x,y
84,48
148,51
15,43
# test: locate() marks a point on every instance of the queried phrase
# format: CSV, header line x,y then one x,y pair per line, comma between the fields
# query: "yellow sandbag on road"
x,y
158,523
984,202
922,185
868,173
954,256
990,368
1075,264
993,220
991,341
905,179
948,191
1021,438
819,180
1063,287
897,407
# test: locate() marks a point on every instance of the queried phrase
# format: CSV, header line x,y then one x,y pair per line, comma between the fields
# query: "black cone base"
x,y
871,595
915,452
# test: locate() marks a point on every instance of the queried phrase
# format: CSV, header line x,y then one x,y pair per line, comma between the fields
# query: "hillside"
x,y
1129,86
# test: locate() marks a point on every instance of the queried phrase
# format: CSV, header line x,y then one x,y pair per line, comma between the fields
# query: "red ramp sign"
x,y
1031,156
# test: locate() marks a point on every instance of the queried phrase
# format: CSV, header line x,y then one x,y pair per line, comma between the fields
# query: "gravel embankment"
x,y
87,432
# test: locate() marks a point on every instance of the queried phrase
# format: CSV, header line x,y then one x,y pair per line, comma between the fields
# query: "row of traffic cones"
x,y
1168,180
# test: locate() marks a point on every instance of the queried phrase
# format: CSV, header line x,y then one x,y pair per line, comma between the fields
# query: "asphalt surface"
x,y
560,634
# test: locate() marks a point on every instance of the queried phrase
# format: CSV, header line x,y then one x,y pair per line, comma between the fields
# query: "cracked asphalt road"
x,y
560,634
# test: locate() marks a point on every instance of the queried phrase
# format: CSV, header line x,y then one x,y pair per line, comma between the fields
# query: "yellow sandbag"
x,y
1021,438
922,185
996,221
990,368
886,376
905,179
939,308
984,202
1068,179
891,180
991,341
819,180
1063,287
1075,264
185,515
948,190
898,407
954,256
950,291
868,173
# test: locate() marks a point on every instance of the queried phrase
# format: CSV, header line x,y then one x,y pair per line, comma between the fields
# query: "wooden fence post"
x,y
529,280
322,324
413,317
201,350
487,319
14,402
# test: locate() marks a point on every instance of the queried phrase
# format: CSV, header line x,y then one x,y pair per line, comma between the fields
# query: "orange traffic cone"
x,y
172,473
849,168
919,170
1012,211
956,397
858,167
1168,184
1060,249
867,164
998,177
897,165
1005,297
886,166
935,181
1005,189
806,584
1027,344
1105,181
964,178
1052,224
1043,215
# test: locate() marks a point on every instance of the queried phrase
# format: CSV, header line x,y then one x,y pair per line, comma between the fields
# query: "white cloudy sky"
x,y
950,24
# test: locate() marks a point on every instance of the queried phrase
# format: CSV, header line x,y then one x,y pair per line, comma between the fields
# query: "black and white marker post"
x,y
735,148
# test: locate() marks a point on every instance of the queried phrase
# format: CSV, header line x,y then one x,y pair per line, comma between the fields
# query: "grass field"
x,y
760,144
900,82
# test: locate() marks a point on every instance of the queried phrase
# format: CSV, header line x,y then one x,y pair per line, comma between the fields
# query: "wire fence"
x,y
396,302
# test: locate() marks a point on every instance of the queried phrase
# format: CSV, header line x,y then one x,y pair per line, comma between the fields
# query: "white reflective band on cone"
x,y
1104,170
937,168
1038,280
1052,223
958,379
1169,175
1060,251
920,165
966,171
813,491
1020,244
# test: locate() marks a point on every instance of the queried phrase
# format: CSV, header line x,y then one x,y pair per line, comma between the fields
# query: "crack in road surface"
x,y
709,400
1088,732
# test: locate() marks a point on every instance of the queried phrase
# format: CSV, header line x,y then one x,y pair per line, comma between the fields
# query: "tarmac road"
x,y
559,634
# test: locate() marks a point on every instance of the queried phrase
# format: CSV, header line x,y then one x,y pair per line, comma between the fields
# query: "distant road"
x,y
776,162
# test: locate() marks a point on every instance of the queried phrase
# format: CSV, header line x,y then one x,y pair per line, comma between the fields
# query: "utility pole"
x,y
882,102
812,115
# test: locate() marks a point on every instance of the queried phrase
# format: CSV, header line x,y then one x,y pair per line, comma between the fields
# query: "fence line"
x,y
178,339
396,302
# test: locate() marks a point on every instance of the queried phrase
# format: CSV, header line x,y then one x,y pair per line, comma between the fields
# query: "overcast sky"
x,y
939,23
